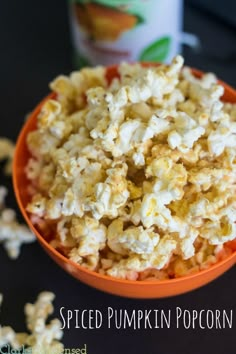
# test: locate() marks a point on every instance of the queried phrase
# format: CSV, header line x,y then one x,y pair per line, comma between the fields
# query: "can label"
x,y
109,31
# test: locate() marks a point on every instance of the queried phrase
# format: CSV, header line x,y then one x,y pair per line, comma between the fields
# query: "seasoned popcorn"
x,y
136,177
12,234
43,337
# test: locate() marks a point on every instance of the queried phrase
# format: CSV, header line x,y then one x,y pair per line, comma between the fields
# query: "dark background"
x,y
34,48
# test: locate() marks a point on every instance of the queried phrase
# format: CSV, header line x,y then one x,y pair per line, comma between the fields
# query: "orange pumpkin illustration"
x,y
103,22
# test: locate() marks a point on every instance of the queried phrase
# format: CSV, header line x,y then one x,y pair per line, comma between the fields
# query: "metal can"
x,y
110,31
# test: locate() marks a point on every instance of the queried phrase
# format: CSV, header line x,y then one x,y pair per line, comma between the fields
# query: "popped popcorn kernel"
x,y
7,148
12,234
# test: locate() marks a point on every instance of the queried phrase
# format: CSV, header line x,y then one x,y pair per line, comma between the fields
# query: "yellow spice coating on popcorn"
x,y
137,171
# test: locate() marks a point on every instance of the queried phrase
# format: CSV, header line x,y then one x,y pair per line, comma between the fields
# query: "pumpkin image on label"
x,y
110,31
104,22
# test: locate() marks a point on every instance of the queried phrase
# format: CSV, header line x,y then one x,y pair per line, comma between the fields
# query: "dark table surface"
x,y
34,48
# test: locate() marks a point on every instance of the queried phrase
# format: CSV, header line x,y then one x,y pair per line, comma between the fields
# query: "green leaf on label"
x,y
156,51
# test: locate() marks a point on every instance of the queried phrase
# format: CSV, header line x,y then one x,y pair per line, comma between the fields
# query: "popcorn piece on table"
x,y
12,234
6,152
43,337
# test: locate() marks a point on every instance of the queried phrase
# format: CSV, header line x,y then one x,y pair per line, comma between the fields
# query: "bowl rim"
x,y
143,283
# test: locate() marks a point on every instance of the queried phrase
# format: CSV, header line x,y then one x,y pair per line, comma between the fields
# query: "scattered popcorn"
x,y
12,234
6,153
43,337
46,336
136,176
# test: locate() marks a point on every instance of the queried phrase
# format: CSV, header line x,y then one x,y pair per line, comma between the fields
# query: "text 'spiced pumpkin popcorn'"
x,y
135,178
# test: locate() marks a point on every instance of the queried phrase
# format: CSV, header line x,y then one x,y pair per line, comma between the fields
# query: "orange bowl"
x,y
128,288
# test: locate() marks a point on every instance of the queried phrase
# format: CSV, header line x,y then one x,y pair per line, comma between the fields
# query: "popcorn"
x,y
90,236
71,90
134,239
186,133
134,175
110,195
12,234
138,263
49,113
43,337
6,153
224,136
